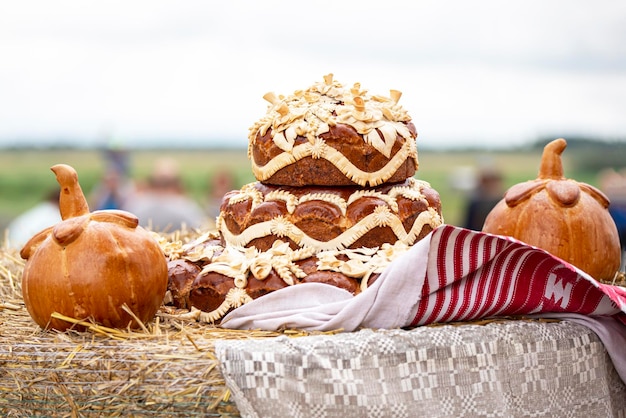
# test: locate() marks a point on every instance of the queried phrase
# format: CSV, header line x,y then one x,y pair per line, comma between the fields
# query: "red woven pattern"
x,y
494,276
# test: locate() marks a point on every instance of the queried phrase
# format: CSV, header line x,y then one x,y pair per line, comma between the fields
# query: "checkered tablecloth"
x,y
503,369
517,368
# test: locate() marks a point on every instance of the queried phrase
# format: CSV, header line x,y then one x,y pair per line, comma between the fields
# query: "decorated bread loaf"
x,y
562,216
94,266
211,279
330,135
329,218
335,202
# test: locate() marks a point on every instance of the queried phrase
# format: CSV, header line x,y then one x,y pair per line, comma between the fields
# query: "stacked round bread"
x,y
328,135
335,202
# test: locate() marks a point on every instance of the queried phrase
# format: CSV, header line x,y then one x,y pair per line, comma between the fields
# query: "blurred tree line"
x,y
590,155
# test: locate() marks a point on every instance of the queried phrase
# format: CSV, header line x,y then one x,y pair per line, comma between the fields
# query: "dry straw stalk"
x,y
168,368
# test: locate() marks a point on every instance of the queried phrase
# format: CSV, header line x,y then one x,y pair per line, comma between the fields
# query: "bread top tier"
x,y
329,135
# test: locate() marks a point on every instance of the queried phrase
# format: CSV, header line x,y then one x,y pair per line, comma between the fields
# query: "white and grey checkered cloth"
x,y
512,369
508,369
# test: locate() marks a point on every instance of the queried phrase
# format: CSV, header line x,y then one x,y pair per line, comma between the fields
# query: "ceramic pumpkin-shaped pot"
x,y
562,216
91,264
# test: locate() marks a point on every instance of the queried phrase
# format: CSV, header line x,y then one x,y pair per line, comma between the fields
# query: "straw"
x,y
167,367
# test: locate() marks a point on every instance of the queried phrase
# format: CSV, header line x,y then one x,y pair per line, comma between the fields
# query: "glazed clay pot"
x,y
562,216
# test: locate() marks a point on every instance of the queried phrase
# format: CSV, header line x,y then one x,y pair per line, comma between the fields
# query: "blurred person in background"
x,y
487,192
162,205
112,192
613,184
115,186
39,217
221,182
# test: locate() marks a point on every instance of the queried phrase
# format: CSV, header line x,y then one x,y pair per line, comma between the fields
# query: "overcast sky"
x,y
471,72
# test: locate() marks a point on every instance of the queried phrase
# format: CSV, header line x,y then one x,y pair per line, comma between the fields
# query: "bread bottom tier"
x,y
211,279
271,237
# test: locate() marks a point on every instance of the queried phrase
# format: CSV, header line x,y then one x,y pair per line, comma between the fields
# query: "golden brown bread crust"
x,y
181,273
87,266
371,167
331,217
578,234
348,235
313,275
335,201
207,292
274,237
332,135
94,274
567,218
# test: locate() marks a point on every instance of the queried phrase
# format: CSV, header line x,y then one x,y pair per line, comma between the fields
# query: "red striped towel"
x,y
453,274
474,275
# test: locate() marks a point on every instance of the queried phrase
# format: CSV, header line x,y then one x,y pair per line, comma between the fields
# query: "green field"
x,y
26,177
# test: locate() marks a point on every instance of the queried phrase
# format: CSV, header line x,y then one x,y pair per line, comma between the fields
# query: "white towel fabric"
x,y
453,274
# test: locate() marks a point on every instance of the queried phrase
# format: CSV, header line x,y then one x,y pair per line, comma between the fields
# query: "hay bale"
x,y
169,368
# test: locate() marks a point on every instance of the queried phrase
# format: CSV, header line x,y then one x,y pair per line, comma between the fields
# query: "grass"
x,y
26,176
27,179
